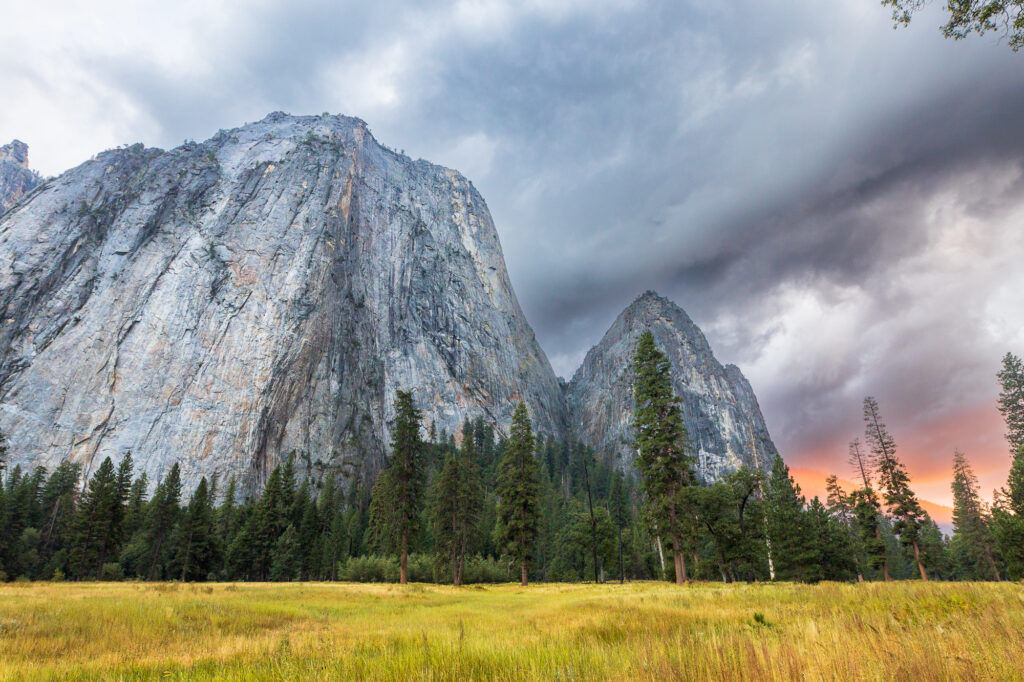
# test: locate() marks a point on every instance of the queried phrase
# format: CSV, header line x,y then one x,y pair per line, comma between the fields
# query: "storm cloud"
x,y
839,205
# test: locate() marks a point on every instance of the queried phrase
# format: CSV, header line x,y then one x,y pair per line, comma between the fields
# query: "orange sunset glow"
x,y
927,450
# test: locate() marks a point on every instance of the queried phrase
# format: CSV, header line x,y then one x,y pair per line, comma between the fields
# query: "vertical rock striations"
x,y
16,178
226,303
721,414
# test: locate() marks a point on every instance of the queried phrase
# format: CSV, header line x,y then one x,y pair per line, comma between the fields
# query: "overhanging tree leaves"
x,y
965,17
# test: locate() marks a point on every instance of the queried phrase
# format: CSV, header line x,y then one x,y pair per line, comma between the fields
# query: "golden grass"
x,y
640,631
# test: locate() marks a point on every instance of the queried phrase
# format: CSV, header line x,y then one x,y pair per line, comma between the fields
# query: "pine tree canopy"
x,y
1011,400
665,467
519,491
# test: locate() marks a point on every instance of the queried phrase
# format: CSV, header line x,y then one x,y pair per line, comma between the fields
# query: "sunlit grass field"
x,y
905,631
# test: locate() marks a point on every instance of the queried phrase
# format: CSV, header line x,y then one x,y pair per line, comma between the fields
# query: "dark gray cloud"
x,y
836,203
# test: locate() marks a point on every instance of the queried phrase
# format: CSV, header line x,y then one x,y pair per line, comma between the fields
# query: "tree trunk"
x,y
661,556
455,549
593,521
103,555
522,549
156,558
885,564
680,561
992,565
403,561
188,550
463,548
622,573
920,566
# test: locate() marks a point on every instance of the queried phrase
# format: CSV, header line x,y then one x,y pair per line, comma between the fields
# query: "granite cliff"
x,y
265,292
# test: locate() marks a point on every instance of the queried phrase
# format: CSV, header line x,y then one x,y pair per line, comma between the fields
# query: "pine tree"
x,y
841,509
57,519
471,494
197,552
620,514
398,492
835,557
135,508
1008,506
97,524
660,438
1011,400
445,512
585,456
971,523
19,540
310,537
333,528
868,500
900,500
793,548
287,561
457,502
227,515
254,546
867,511
161,519
519,492
1008,519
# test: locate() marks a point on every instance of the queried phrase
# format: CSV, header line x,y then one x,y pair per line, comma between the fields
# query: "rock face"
x,y
16,178
267,291
721,414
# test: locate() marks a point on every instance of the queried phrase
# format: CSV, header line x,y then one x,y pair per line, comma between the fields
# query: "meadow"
x,y
646,631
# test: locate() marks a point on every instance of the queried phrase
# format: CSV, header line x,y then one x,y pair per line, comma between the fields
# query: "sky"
x,y
838,204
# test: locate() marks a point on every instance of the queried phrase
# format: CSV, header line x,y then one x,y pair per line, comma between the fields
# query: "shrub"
x,y
111,572
369,569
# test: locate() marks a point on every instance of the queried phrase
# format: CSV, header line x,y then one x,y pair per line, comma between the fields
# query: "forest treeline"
x,y
480,506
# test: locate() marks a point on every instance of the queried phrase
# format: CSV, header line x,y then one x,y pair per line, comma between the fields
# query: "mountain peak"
x,y
650,299
15,152
721,414
651,305
16,178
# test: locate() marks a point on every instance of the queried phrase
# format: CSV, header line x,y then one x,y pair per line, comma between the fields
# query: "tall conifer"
x,y
909,517
519,492
665,467
971,530
794,549
398,493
